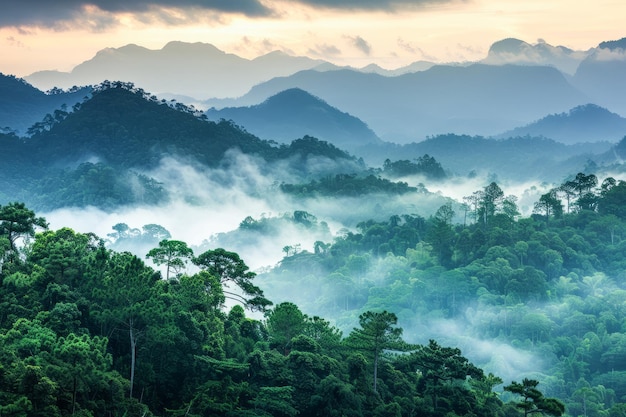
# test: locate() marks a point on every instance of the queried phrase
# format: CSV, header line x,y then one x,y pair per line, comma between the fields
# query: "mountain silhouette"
x,y
126,127
292,113
22,105
199,70
477,99
601,76
516,51
587,123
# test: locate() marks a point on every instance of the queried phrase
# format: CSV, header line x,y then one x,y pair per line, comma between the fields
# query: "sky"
x,y
58,35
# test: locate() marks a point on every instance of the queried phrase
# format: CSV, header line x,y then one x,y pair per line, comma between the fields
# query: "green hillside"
x,y
88,331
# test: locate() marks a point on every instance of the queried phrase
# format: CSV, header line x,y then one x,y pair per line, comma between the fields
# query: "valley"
x,y
318,241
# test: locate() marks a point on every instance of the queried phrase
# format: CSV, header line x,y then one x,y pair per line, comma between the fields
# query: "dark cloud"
x,y
362,45
60,13
378,5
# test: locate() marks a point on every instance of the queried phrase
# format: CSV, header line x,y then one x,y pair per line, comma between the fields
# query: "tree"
x,y
533,400
276,402
171,253
441,366
568,188
445,214
377,334
613,198
17,221
510,208
486,202
441,235
230,268
155,231
492,200
584,183
284,322
125,298
80,365
549,204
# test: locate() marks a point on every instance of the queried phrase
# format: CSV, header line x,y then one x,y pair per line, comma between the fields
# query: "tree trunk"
x,y
133,345
375,371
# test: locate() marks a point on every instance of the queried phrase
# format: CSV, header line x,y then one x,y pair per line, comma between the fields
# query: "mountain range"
x,y
476,99
199,70
516,84
126,128
105,150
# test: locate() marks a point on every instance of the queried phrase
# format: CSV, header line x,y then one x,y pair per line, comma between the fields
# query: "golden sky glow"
x,y
441,31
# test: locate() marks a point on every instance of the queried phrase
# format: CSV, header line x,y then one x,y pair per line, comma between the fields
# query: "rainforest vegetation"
x,y
90,331
475,310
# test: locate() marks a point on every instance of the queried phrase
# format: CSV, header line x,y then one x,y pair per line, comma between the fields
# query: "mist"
x,y
205,204
207,207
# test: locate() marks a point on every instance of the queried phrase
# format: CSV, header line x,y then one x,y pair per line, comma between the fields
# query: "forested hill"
x,y
21,104
294,112
587,123
103,151
86,331
525,157
126,127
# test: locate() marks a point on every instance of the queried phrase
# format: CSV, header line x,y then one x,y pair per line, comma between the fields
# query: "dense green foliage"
x,y
88,331
552,284
347,185
425,165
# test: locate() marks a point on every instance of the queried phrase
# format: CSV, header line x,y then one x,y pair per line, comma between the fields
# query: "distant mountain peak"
x,y
516,51
509,45
130,49
293,96
277,52
584,123
294,112
195,47
199,70
614,45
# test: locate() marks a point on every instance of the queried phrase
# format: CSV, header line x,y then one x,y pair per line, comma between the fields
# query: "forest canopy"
x,y
89,331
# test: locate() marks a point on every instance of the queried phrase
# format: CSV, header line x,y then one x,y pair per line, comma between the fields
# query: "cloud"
x,y
415,50
371,5
99,14
62,14
603,54
324,50
361,44
15,42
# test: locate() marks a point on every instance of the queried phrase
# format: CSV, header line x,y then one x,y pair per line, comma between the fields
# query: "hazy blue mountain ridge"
x,y
294,112
97,153
521,83
587,123
198,70
530,158
21,104
128,130
601,76
476,99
